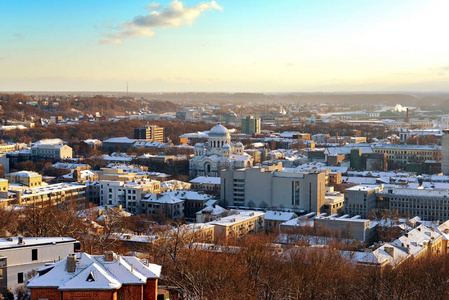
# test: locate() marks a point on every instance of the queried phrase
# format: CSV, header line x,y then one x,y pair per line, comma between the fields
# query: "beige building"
x,y
26,178
39,151
43,195
238,225
117,174
271,187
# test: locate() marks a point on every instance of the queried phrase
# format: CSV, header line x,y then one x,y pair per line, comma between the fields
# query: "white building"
x,y
218,154
27,254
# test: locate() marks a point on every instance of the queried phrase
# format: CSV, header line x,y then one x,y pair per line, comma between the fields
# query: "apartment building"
x,y
361,199
238,224
128,194
353,228
24,255
42,196
151,133
271,187
166,204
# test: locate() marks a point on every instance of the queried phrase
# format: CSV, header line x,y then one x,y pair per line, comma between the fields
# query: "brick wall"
x,y
89,295
47,293
150,290
130,292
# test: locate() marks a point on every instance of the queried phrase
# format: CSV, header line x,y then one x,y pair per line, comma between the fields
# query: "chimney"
x,y
71,263
20,240
109,256
389,250
407,120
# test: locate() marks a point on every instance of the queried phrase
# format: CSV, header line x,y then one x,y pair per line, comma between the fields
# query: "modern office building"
x,y
251,125
271,187
151,133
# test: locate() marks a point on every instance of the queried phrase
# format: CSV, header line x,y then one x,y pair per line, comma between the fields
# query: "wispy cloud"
x,y
174,15
110,41
18,35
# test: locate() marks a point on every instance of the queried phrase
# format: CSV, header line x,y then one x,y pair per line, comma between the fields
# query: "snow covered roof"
x,y
93,272
121,140
28,241
206,180
271,215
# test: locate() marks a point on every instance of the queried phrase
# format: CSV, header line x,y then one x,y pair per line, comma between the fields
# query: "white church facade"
x,y
217,154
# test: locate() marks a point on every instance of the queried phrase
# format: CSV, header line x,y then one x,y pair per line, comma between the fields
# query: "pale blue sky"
x,y
224,46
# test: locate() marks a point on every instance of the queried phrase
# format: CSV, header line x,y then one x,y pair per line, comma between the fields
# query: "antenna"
x,y
127,89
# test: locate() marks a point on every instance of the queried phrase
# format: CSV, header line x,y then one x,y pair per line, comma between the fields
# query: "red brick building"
x,y
100,277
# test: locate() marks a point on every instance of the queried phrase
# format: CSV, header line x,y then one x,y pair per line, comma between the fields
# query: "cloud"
x,y
19,35
174,15
110,41
153,6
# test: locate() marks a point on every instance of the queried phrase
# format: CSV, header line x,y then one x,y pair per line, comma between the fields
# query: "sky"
x,y
224,45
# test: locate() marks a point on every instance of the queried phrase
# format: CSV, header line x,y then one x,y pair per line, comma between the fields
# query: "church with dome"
x,y
217,154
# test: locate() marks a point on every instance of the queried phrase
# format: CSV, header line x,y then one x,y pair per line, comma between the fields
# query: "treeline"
x,y
100,130
15,108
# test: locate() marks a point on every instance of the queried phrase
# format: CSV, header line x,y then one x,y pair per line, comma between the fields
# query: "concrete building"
x,y
429,205
238,224
101,277
351,228
218,154
361,199
27,254
151,133
251,125
271,187
206,184
3,275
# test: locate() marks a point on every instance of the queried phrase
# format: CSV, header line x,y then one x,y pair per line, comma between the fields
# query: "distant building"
x,y
445,152
58,152
251,125
108,276
27,254
151,133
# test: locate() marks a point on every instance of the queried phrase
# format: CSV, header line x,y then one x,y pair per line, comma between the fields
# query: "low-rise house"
x,y
109,276
166,204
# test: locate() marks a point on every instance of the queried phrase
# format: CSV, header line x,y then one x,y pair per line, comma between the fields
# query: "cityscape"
x,y
224,150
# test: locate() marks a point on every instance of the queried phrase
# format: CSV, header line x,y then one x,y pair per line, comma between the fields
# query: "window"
x,y
20,277
1,273
34,254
